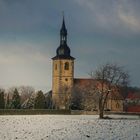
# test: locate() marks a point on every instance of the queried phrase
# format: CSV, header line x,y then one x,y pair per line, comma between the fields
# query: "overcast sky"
x,y
99,31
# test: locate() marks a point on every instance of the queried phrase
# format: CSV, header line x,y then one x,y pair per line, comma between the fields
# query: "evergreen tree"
x,y
8,102
2,101
16,100
39,100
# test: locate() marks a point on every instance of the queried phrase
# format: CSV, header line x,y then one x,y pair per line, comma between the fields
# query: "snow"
x,y
68,127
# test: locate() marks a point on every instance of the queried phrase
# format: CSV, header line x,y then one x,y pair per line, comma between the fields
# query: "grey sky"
x,y
99,31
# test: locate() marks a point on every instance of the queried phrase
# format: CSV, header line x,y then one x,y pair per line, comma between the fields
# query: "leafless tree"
x,y
10,92
25,92
77,98
85,95
65,96
109,77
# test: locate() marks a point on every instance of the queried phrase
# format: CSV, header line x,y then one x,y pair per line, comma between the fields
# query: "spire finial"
x,y
63,31
63,15
63,22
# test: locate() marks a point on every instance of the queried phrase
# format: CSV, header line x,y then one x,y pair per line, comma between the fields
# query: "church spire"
x,y
63,32
63,51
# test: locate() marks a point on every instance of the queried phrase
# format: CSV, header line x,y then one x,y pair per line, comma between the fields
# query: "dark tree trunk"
x,y
101,110
101,114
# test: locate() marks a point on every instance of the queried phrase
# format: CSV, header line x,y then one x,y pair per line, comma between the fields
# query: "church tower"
x,y
63,72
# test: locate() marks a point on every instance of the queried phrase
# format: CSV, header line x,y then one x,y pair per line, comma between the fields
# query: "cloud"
x,y
118,17
18,53
129,17
25,64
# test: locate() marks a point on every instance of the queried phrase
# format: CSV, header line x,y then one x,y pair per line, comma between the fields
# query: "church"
x,y
63,80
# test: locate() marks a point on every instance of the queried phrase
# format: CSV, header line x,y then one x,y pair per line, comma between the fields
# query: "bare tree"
x,y
84,96
65,96
77,98
110,78
11,90
25,92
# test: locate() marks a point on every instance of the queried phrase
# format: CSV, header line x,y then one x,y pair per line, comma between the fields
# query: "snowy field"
x,y
68,127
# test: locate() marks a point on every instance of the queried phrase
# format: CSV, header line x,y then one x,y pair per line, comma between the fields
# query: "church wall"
x,y
115,105
62,81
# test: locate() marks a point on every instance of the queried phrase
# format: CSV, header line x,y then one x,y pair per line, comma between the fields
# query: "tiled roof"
x,y
133,96
83,83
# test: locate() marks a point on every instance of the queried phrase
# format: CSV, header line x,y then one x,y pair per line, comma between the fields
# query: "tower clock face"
x,y
61,51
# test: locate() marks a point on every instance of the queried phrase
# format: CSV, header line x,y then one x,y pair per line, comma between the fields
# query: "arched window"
x,y
66,67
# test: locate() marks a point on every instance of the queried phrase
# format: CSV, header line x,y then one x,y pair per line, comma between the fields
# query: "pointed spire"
x,y
63,30
63,24
63,51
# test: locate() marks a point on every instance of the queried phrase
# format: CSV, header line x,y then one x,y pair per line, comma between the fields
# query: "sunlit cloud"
x,y
113,16
131,21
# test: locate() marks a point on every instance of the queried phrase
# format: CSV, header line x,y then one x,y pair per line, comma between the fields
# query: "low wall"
x,y
58,112
33,112
82,112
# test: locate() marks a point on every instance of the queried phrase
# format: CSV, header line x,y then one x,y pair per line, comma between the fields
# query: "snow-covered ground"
x,y
68,127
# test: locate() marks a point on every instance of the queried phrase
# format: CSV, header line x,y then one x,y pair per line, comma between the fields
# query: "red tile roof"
x,y
83,81
86,83
133,96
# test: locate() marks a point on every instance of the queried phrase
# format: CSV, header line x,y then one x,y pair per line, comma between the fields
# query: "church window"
x,y
66,66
